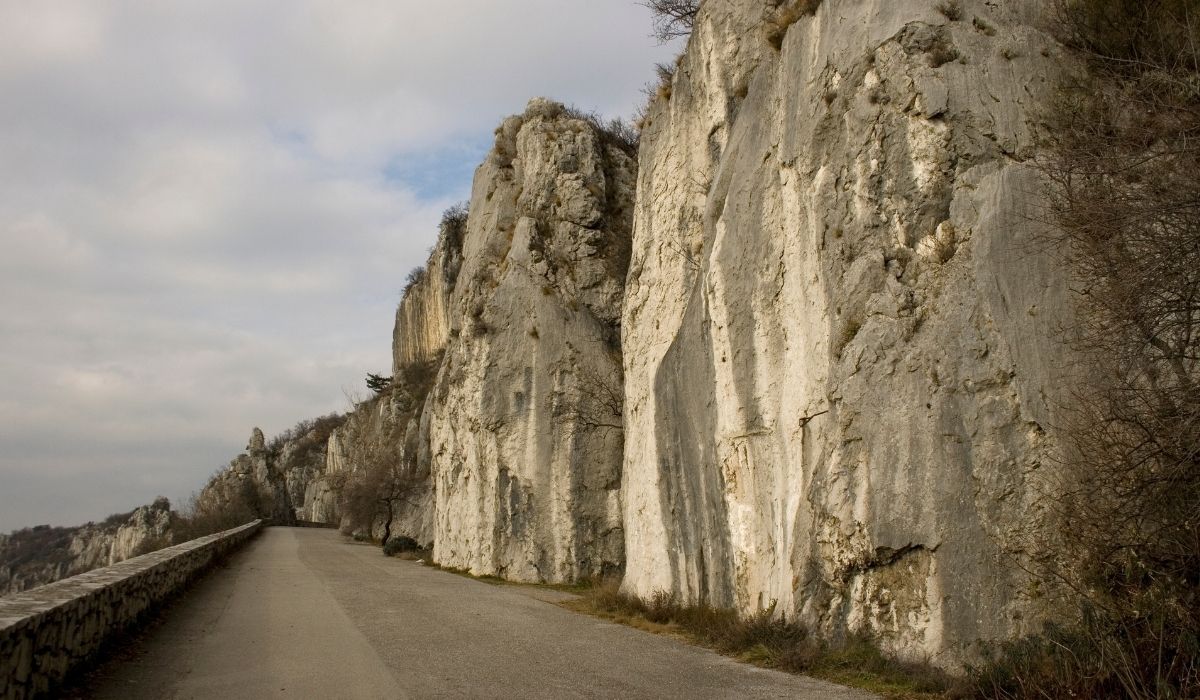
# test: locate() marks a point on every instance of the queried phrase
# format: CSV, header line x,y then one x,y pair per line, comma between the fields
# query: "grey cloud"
x,y
207,211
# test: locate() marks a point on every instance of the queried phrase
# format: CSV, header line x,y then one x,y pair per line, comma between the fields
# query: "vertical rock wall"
x,y
423,317
525,427
386,427
837,333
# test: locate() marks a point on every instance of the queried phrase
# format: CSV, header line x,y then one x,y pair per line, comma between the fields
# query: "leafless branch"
x,y
673,18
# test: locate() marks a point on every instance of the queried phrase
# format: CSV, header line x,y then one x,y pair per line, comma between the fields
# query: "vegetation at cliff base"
x,y
387,476
767,640
1121,539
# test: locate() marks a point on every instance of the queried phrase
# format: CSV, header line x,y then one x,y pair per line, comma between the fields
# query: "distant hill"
x,y
36,556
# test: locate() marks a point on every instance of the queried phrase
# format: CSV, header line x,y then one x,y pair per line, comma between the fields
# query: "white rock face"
x,y
525,419
423,316
386,425
147,528
839,372
322,493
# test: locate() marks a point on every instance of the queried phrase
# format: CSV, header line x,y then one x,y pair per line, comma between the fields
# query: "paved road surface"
x,y
303,613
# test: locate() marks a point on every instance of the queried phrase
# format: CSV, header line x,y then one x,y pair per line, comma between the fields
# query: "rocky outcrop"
x,y
271,480
385,429
37,556
838,357
423,316
244,490
525,426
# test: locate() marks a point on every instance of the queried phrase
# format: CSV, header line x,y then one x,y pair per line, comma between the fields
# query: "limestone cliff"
x,y
838,357
36,556
423,316
500,434
525,430
393,426
384,429
809,366
270,480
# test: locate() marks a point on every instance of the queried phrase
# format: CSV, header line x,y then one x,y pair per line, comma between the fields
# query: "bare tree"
x,y
600,403
376,491
595,397
673,18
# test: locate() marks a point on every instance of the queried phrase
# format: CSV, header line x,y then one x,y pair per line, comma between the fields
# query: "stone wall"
x,y
50,631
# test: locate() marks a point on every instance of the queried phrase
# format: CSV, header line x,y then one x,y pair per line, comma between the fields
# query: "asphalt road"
x,y
304,613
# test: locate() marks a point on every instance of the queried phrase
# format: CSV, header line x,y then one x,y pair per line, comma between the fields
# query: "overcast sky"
x,y
208,208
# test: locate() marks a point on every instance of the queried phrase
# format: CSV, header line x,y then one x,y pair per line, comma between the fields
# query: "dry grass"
x,y
942,51
1054,664
665,73
785,16
422,555
983,26
574,588
767,641
951,10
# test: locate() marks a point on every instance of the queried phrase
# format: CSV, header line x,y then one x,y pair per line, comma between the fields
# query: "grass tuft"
x,y
951,10
765,640
785,16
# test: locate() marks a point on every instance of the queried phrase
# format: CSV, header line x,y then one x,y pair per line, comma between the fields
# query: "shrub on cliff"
x,y
415,277
612,132
1124,510
378,383
787,13
416,379
309,433
454,226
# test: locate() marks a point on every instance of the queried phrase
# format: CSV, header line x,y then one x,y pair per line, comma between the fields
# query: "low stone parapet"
x,y
50,631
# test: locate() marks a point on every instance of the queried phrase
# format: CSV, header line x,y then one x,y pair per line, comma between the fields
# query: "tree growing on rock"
x,y
673,18
378,383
